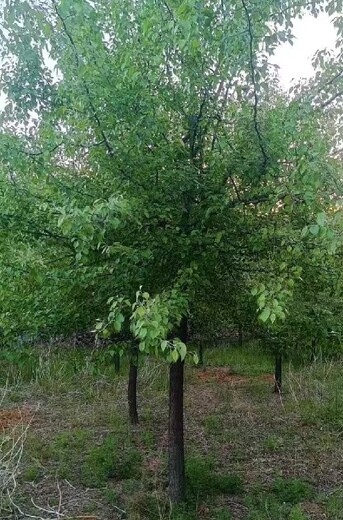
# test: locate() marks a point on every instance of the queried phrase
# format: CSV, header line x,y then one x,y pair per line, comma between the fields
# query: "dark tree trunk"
x,y
240,335
132,386
117,363
278,374
176,442
201,353
176,452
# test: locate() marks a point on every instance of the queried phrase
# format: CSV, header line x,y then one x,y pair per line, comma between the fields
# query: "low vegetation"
x,y
251,454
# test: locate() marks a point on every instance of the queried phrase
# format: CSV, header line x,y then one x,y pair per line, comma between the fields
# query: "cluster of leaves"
x,y
141,141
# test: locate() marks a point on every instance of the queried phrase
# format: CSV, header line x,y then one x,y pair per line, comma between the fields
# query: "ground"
x,y
251,454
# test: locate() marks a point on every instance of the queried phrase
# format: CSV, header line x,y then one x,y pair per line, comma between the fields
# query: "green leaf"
x,y
304,232
314,229
142,333
106,333
265,314
181,347
321,217
175,355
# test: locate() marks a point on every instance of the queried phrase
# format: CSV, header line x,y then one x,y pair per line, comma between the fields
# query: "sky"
x,y
311,34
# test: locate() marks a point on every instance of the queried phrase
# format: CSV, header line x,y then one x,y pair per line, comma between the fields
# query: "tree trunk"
x,y
176,452
132,386
201,353
117,363
176,442
278,374
240,335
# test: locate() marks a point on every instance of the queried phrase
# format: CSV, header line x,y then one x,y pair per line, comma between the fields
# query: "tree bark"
x,y
201,353
278,374
176,451
132,386
176,441
117,363
240,335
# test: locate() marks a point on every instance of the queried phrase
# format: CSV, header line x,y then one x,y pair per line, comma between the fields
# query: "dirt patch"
x,y
11,417
225,375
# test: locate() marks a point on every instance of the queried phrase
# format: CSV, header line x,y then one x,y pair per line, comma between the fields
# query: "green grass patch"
x,y
281,501
204,481
249,360
111,460
31,473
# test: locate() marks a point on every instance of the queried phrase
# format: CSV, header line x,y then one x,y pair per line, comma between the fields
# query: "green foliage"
x,y
110,461
145,168
212,424
292,491
222,514
93,466
157,174
252,359
318,394
111,496
297,514
334,504
273,443
31,473
204,481
18,363
282,501
67,450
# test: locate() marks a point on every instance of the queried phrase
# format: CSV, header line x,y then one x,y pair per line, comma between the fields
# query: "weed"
x,y
222,514
273,443
37,448
149,506
111,496
31,473
280,502
292,491
318,394
334,505
110,460
228,484
67,449
148,439
248,360
297,513
213,424
204,481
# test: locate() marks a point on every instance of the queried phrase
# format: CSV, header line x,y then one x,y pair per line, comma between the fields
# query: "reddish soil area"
x,y
225,375
11,417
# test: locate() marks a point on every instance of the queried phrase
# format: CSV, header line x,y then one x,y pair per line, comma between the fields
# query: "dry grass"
x,y
242,431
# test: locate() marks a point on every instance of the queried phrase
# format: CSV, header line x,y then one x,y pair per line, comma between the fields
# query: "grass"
x,y
249,360
250,455
203,481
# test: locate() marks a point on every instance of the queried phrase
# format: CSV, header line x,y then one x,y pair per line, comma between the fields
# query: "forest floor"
x,y
251,454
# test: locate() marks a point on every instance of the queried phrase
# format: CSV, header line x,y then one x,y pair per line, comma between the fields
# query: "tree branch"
x,y
77,60
256,100
331,99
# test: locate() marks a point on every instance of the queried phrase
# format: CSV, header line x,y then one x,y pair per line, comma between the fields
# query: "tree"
x,y
154,151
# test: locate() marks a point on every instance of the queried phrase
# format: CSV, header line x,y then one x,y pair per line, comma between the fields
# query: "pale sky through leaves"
x,y
311,35
294,61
